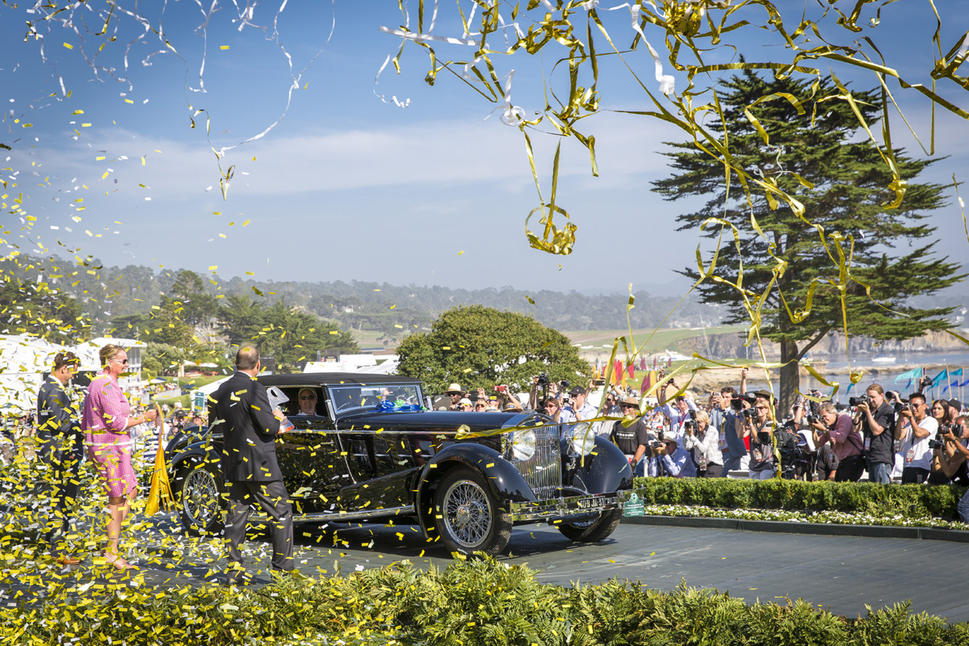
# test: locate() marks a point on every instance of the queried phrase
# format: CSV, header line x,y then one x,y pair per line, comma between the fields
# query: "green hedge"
x,y
911,501
475,602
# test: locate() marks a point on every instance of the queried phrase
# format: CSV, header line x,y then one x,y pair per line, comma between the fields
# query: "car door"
x,y
312,460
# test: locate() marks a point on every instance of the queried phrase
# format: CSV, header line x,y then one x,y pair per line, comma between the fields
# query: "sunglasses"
x,y
122,362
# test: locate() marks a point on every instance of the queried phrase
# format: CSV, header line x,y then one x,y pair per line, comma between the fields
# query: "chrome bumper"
x,y
566,507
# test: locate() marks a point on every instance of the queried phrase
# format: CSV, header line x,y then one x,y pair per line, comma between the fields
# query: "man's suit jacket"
x,y
240,409
55,412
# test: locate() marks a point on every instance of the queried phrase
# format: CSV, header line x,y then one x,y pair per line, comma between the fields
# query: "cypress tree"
x,y
893,247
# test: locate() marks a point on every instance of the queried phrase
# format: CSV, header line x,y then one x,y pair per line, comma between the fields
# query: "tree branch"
x,y
812,342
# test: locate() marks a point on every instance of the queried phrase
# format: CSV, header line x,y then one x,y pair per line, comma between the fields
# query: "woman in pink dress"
x,y
106,423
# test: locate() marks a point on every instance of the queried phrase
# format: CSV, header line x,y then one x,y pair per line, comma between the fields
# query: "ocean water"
x,y
836,370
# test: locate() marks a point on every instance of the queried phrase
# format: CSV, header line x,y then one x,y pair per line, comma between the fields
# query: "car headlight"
x,y
522,445
582,438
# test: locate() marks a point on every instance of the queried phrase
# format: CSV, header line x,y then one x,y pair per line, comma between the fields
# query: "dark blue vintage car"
x,y
373,452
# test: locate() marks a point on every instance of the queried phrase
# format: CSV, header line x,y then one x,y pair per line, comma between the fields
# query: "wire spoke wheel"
x,y
469,518
467,513
201,500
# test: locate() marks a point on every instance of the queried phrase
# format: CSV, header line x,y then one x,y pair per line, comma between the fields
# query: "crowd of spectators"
x,y
881,437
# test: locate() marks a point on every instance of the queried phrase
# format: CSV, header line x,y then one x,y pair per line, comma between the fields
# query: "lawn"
x,y
663,339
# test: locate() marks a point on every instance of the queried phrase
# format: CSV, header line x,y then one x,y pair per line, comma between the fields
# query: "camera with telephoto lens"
x,y
924,383
565,384
543,380
900,405
737,401
749,412
656,447
688,426
812,418
854,401
939,440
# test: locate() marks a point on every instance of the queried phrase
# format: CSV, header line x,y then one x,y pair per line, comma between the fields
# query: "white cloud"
x,y
483,153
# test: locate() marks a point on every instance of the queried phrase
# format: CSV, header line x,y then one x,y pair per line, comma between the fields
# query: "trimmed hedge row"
x,y
912,501
476,602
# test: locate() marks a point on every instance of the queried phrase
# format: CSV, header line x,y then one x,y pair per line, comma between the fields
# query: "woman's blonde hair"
x,y
108,352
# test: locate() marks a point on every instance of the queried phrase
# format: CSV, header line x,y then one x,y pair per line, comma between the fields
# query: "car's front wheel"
x,y
200,501
592,531
467,516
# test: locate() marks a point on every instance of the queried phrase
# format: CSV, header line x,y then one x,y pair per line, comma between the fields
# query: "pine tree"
x,y
893,248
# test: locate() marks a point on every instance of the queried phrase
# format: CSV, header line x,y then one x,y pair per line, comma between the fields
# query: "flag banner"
x,y
617,372
909,375
631,369
160,495
939,378
649,379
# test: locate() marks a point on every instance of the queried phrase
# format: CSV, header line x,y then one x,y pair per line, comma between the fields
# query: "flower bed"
x,y
795,500
823,517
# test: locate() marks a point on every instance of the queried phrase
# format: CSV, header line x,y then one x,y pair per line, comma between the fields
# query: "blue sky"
x,y
349,187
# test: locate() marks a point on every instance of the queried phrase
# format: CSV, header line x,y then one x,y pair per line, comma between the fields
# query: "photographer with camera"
x,y
838,429
542,390
716,408
915,428
703,440
948,463
507,401
612,406
757,424
735,456
579,408
674,460
682,411
877,420
961,446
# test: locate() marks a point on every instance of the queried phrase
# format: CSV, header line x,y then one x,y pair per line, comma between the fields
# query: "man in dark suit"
x,y
62,445
240,408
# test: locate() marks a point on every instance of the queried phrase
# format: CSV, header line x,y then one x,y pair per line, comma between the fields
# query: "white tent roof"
x,y
210,388
24,358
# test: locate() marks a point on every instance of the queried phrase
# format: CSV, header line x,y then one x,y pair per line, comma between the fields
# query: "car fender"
x,y
197,452
503,479
605,470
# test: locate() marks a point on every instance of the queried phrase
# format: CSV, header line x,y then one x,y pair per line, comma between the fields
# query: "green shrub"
x,y
910,501
480,601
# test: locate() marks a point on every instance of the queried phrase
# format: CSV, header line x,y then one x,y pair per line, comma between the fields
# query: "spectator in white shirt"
x,y
580,408
682,411
916,427
703,439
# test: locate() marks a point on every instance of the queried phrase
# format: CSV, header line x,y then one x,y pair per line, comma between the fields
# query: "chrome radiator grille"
x,y
537,455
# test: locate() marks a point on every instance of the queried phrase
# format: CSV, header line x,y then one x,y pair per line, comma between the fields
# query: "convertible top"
x,y
334,379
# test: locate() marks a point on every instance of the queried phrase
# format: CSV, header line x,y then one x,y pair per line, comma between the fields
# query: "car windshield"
x,y
389,397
